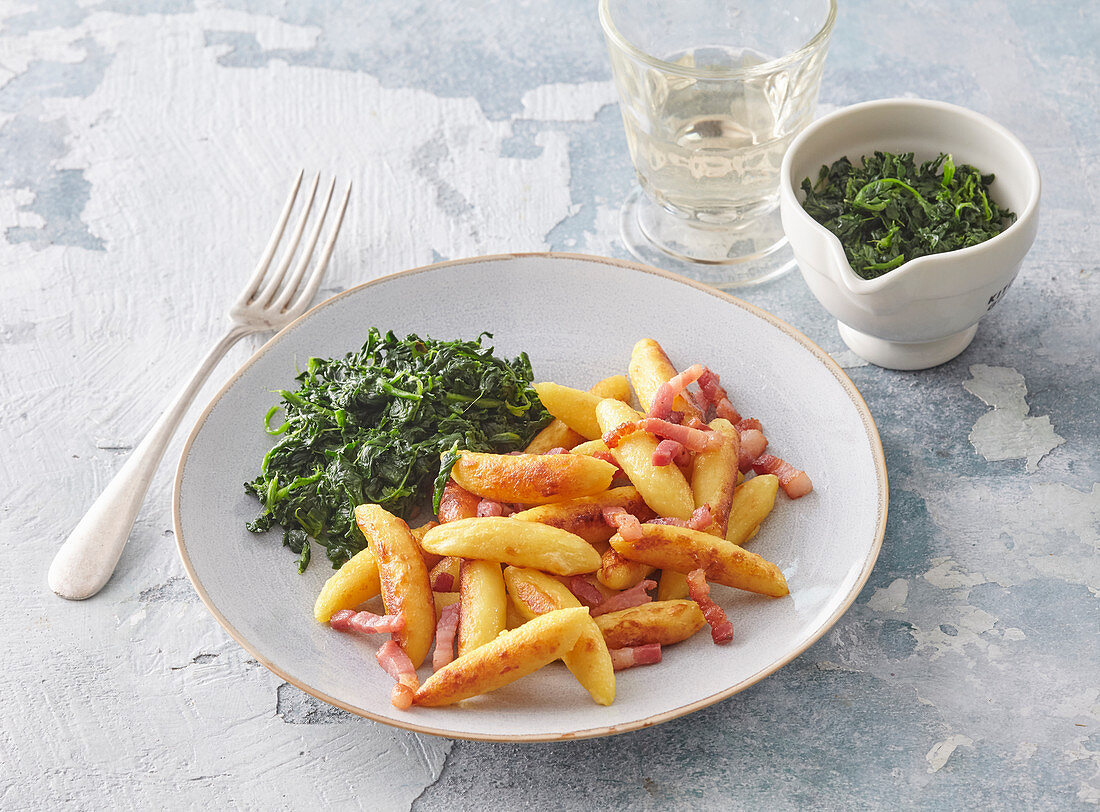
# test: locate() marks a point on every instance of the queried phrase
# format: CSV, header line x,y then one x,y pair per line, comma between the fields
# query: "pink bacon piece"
x,y
701,518
487,507
626,523
556,450
456,503
396,663
606,456
443,582
711,386
795,483
445,631
348,620
612,438
668,520
718,397
586,591
690,438
667,451
667,392
748,423
725,410
753,443
631,656
721,630
635,596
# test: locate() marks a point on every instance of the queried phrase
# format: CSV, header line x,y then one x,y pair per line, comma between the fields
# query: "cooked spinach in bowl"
x,y
887,210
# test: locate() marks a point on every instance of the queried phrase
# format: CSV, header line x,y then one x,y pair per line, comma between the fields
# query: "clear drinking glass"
x,y
712,92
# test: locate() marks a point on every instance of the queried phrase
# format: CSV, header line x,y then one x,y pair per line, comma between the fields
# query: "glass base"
x,y
724,257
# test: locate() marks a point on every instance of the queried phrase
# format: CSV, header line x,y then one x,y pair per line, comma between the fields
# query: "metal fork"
x,y
270,301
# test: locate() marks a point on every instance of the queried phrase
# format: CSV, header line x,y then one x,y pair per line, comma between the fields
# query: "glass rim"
x,y
615,37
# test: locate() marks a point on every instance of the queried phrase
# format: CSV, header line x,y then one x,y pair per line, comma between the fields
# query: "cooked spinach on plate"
x,y
371,427
887,210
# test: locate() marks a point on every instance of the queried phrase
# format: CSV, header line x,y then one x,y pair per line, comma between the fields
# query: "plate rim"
x,y
869,425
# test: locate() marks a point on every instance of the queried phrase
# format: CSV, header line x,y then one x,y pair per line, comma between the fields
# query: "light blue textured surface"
x,y
965,675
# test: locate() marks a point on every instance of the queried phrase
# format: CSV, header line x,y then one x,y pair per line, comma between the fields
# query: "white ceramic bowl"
x,y
926,311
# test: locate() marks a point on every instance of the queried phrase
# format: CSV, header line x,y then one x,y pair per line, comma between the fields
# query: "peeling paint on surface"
x,y
848,359
1007,433
1048,530
946,574
176,588
295,707
568,102
941,751
890,599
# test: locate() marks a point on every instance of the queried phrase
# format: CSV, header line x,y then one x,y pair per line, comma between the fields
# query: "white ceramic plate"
x,y
577,317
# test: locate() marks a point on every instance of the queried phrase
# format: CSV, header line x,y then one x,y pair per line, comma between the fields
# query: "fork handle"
x,y
88,557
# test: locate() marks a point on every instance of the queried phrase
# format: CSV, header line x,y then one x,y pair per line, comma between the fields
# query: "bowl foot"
x,y
903,355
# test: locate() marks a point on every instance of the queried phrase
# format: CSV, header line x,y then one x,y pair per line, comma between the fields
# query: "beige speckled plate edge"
x,y
816,351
